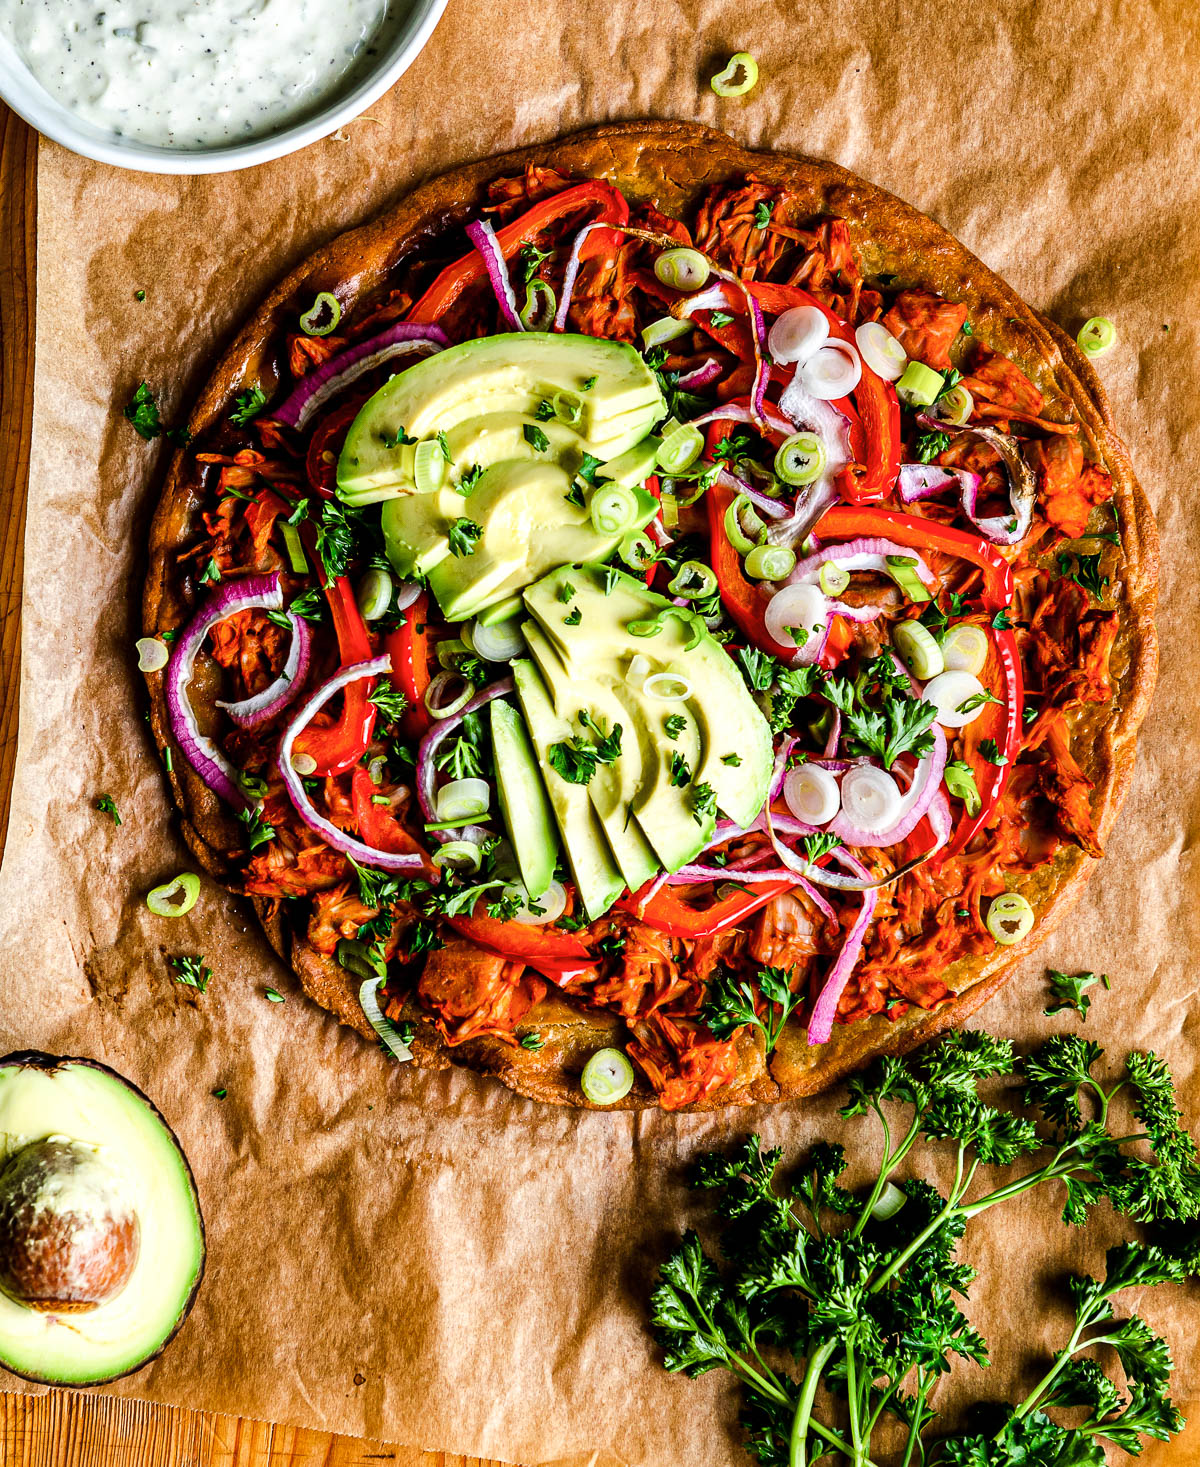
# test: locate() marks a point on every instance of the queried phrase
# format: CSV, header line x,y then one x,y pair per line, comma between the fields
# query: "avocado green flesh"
x,y
586,664
613,788
597,879
523,799
93,1106
508,467
510,374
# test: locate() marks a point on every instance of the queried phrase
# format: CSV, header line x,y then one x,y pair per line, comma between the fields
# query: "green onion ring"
x,y
1096,336
770,562
679,449
740,541
429,466
614,509
368,998
161,900
800,459
325,301
607,1077
682,269
690,571
723,83
533,318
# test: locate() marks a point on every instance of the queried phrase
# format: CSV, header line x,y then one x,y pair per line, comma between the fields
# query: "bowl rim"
x,y
53,121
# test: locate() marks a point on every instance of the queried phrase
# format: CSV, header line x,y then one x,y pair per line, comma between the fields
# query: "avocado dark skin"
x,y
57,1256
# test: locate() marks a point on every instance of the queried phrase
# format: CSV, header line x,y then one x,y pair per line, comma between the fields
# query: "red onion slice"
x,y
337,839
820,1024
866,553
249,593
770,507
736,412
250,712
920,481
1022,488
708,371
914,805
483,236
327,380
428,747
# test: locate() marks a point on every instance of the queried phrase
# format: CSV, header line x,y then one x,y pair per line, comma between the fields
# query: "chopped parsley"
x,y
530,260
587,469
575,759
818,845
730,1003
390,701
191,971
1085,571
733,760
258,830
463,536
881,715
719,318
1002,621
977,700
544,411
574,495
565,592
675,725
929,445
589,384
398,439
762,213
211,573
444,444
991,752
573,617
681,771
335,539
108,806
704,803
248,405
1068,991
142,412
272,995
532,1041
536,439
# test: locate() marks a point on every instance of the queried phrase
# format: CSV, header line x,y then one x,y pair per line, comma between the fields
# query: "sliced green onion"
x,y
459,855
727,83
502,611
607,1077
679,450
310,321
438,686
888,1203
955,406
1097,336
175,898
152,654
918,650
368,998
682,269
304,764
463,799
568,408
832,579
919,384
361,958
295,548
801,459
614,509
670,510
667,687
450,649
429,466
374,594
965,648
734,533
636,549
903,570
665,329
770,562
693,581
535,317
1009,918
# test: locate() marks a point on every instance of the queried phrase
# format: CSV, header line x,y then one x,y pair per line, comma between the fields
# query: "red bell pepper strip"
x,y
1003,722
667,913
610,208
845,522
377,825
408,646
740,597
339,746
327,439
878,407
555,955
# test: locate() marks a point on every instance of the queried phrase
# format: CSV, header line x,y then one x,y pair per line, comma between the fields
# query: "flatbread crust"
x,y
672,163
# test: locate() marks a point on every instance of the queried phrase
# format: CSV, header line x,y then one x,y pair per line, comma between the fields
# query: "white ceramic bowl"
x,y
30,100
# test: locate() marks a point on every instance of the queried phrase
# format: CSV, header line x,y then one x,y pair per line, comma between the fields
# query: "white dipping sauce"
x,y
192,73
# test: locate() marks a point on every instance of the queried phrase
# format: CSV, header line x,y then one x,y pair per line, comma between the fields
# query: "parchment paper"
x,y
425,1258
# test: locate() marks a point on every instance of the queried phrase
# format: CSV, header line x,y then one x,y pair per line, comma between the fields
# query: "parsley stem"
x,y
802,1421
946,1211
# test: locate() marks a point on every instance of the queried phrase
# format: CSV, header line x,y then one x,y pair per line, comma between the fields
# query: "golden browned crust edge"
x,y
671,161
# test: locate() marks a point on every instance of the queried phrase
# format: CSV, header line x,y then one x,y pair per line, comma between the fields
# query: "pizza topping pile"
x,y
672,616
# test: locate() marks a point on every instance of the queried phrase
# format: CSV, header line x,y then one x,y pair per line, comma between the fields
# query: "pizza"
x,y
651,622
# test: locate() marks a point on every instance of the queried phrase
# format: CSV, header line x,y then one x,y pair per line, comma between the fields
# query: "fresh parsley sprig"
x,y
861,1290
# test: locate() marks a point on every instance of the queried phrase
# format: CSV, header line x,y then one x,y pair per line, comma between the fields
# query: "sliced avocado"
x,y
597,879
721,717
101,1239
512,373
633,467
613,788
523,799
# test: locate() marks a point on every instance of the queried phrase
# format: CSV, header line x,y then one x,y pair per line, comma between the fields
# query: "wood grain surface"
x,y
65,1428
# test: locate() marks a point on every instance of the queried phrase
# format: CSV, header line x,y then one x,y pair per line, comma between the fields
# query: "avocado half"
x,y
102,1246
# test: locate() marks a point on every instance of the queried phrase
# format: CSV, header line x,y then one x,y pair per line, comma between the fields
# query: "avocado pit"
x,y
69,1237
